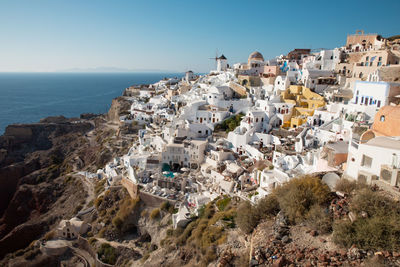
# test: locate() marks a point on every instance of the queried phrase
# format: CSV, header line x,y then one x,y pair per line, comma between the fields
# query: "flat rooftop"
x,y
385,142
340,147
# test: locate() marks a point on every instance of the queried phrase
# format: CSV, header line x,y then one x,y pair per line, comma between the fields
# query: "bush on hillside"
x,y
249,216
223,203
155,214
372,203
165,206
347,186
99,187
117,222
376,226
298,195
267,206
375,233
107,254
319,219
126,207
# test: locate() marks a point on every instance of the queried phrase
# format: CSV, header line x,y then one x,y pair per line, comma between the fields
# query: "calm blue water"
x,y
29,97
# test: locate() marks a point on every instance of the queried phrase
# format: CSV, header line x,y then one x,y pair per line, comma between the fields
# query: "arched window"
x,y
382,118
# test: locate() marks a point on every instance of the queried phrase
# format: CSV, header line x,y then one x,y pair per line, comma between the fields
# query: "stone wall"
x,y
132,188
152,200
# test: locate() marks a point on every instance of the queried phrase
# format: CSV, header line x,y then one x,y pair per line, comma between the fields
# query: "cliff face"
x,y
34,159
119,106
38,162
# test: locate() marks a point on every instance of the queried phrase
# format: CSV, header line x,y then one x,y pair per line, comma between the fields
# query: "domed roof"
x,y
256,56
331,180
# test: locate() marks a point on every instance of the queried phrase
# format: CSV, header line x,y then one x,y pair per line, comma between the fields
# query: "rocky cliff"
x,y
33,169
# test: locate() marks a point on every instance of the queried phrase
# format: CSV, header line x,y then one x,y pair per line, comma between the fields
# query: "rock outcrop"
x,y
32,166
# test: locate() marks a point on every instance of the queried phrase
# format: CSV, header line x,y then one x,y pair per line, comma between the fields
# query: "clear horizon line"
x,y
88,71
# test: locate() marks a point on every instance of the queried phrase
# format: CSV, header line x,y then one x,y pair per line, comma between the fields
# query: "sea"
x,y
29,97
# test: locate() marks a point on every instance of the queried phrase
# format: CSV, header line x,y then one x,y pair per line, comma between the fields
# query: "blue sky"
x,y
52,35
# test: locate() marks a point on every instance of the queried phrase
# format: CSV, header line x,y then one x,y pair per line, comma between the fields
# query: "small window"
x,y
366,161
367,58
379,104
382,118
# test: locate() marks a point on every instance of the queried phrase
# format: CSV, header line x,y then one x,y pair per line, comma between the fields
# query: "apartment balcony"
x,y
390,174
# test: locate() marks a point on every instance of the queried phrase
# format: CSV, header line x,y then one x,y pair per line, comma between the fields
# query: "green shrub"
x,y
126,207
247,218
165,206
222,203
107,254
206,211
319,219
229,124
99,187
373,203
186,233
376,226
117,222
346,186
344,233
267,207
297,196
155,214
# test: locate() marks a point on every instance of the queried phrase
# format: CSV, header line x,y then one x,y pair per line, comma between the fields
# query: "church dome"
x,y
256,56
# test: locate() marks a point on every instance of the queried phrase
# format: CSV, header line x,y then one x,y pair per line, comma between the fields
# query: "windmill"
x,y
221,64
216,58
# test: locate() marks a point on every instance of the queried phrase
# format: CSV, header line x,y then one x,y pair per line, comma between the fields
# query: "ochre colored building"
x,y
305,101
